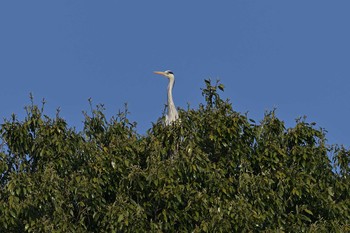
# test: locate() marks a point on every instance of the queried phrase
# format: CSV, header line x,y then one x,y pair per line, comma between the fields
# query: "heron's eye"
x,y
169,72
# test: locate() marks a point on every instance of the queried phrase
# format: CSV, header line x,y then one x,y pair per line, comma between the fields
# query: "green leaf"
x,y
120,217
13,214
308,211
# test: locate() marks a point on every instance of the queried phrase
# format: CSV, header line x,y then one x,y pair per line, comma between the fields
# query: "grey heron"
x,y
172,114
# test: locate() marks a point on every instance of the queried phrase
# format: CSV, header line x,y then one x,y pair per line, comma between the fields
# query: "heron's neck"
x,y
170,92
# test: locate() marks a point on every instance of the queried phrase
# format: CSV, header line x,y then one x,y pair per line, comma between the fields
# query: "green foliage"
x,y
215,171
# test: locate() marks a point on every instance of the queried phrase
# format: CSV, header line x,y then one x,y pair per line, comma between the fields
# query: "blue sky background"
x,y
289,55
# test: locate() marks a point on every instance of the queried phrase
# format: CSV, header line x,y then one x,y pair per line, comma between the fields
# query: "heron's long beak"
x,y
159,72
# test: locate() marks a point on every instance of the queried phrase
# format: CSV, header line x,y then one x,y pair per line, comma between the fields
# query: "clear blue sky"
x,y
289,55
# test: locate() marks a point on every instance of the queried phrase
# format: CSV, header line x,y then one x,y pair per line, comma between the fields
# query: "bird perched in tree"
x,y
172,114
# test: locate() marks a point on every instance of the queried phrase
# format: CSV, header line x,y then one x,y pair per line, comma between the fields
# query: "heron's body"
x,y
172,114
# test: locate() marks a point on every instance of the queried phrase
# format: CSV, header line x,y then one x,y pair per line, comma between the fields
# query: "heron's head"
x,y
168,73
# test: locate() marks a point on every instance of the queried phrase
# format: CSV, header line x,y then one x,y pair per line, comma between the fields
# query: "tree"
x,y
216,171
